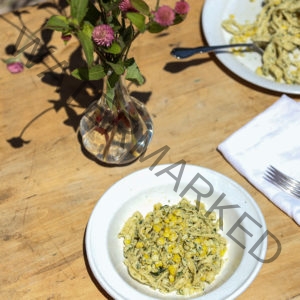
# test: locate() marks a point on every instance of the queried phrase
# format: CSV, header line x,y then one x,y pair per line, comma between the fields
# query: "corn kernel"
x,y
161,241
203,251
146,256
223,251
139,245
172,218
198,240
166,232
127,242
158,264
203,278
176,258
172,269
171,278
157,227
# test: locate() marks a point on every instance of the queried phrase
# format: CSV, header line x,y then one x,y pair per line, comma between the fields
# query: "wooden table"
x,y
49,186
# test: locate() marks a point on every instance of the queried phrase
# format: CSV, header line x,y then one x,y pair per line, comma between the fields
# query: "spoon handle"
x,y
187,52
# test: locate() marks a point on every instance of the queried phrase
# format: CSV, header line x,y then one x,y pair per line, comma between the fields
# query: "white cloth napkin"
x,y
271,138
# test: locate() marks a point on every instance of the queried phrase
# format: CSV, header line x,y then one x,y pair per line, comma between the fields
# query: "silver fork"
x,y
187,52
283,181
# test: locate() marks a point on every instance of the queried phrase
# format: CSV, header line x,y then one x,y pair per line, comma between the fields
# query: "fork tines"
x,y
283,181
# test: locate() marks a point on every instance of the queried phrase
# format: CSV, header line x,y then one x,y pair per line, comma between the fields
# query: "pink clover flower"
x,y
182,7
103,35
164,15
125,6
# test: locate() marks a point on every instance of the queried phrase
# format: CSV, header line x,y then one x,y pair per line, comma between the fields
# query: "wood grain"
x,y
49,185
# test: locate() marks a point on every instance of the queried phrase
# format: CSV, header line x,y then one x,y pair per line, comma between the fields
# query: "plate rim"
x,y
213,7
115,293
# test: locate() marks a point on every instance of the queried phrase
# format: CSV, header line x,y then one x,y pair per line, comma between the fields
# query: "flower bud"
x,y
66,37
15,67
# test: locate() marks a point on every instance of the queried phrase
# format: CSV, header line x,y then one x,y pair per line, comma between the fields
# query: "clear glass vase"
x,y
119,132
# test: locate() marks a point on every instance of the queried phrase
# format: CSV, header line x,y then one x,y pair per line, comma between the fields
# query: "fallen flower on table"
x,y
14,65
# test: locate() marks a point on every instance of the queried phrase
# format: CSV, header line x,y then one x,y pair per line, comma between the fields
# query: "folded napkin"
x,y
271,138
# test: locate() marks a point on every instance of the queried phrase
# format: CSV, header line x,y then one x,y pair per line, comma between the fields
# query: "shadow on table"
x,y
74,95
178,66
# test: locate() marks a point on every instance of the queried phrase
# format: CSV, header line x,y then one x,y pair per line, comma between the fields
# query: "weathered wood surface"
x,y
49,186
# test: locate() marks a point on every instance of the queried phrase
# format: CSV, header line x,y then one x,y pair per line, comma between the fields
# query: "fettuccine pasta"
x,y
277,30
174,248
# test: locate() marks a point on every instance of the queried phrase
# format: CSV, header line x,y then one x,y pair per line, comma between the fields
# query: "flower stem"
x,y
107,146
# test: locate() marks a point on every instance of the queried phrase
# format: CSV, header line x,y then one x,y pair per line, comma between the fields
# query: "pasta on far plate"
x,y
277,30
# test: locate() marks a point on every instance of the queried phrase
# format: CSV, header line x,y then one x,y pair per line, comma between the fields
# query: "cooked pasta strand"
x,y
174,248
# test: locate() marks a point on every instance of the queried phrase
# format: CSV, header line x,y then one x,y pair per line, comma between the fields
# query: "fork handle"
x,y
187,52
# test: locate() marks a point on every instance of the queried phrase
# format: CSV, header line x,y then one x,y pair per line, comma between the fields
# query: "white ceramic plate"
x,y
140,191
213,13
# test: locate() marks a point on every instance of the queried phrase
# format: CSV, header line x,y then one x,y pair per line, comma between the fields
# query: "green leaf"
x,y
133,73
141,6
117,68
94,73
155,27
137,20
128,34
87,45
59,23
88,28
179,19
79,9
115,48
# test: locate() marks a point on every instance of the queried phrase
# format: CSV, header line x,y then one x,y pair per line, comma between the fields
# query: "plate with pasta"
x,y
271,24
175,232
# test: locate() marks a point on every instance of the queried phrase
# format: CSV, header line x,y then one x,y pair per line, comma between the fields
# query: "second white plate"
x,y
213,13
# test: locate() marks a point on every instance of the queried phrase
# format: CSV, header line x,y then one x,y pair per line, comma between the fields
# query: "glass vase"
x,y
116,129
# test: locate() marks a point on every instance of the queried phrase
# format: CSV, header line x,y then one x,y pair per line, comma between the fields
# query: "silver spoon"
x,y
187,52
